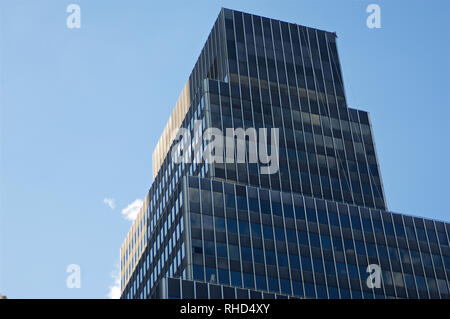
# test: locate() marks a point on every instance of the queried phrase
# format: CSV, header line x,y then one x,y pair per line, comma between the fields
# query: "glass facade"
x,y
309,230
330,156
176,288
290,244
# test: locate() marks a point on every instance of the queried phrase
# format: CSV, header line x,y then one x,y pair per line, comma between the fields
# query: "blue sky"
x,y
82,109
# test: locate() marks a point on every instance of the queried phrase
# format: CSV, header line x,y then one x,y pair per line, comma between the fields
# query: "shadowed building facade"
x,y
224,230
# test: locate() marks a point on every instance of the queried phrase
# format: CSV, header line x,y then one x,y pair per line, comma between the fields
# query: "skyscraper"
x,y
311,227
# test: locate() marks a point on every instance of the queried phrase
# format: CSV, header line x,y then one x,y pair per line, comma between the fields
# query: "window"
x,y
211,275
299,212
405,256
246,254
442,285
393,254
409,280
306,263
310,292
345,293
270,258
236,278
326,241
297,288
258,254
432,236
337,243
387,278
367,225
442,238
398,279
318,265
421,234
291,236
267,231
198,273
221,250
232,226
314,240
421,285
265,206
410,233
356,223
415,257
279,234
276,208
329,268
348,244
288,211
229,200
432,286
356,294
194,196
341,269
220,223
273,284
311,214
400,231
426,258
224,277
208,222
234,252
253,204
285,286
243,228
261,283
345,221
195,220
249,281
256,230
242,203
294,262
437,261
382,251
209,248
322,217
377,226
303,238
334,221
333,292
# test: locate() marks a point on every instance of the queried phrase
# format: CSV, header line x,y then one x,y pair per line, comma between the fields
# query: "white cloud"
x,y
131,211
111,202
114,289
